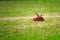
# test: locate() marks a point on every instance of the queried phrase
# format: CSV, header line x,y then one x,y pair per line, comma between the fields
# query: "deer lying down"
x,y
38,18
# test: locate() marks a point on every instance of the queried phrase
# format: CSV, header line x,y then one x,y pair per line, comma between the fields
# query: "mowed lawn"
x,y
26,29
29,8
29,30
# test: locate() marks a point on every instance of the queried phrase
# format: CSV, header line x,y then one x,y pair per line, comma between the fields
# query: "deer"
x,y
38,18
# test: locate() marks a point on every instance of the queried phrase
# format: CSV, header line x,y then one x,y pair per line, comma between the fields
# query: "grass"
x,y
26,29
21,8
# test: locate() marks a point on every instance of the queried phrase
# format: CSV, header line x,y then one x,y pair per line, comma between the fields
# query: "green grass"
x,y
28,30
28,8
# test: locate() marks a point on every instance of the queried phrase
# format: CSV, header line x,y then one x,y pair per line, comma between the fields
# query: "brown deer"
x,y
38,18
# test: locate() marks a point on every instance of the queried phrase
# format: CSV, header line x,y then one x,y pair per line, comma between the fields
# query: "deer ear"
x,y
37,14
41,15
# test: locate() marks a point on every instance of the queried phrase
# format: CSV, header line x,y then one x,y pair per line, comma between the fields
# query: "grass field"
x,y
29,8
24,28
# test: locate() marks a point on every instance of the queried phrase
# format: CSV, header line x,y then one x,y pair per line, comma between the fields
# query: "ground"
x,y
16,20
